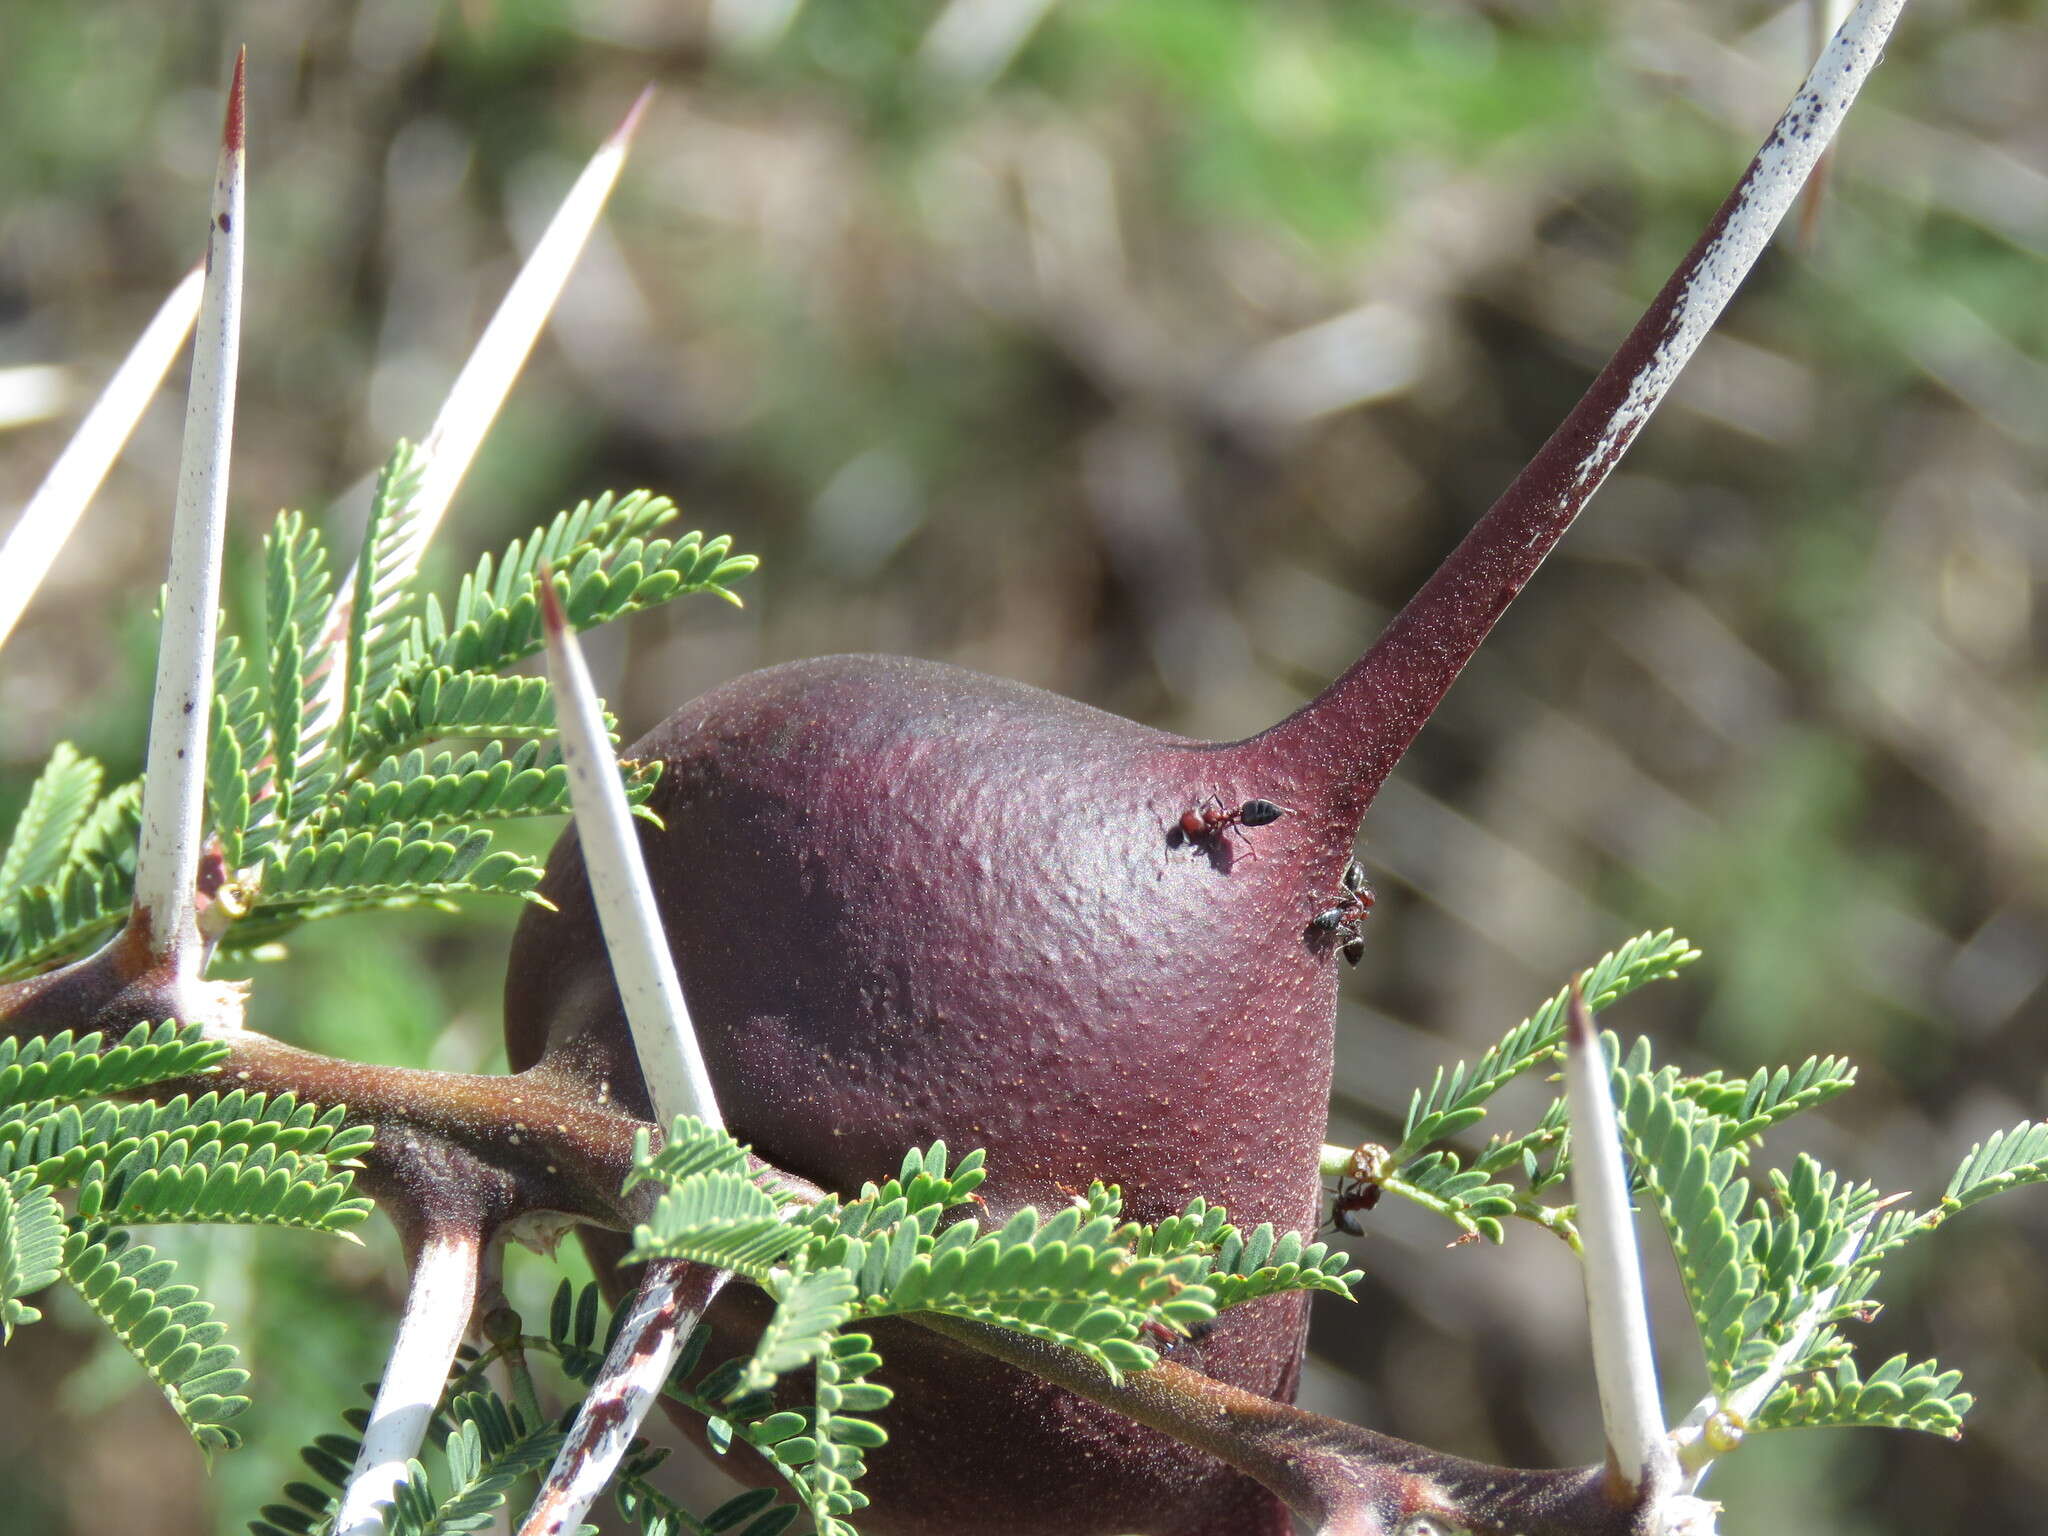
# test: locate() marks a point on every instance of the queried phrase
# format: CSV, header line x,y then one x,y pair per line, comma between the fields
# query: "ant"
x,y
1212,818
1163,1336
1352,908
1358,1188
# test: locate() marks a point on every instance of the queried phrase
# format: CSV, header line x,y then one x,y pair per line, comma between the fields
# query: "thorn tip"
x,y
551,616
1580,1031
232,130
629,125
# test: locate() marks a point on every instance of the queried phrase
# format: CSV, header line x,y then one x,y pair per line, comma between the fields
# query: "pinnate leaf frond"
x,y
61,1069
169,1331
32,1236
809,1310
720,1219
377,629
488,1450
1900,1394
1696,1185
58,802
59,1143
1455,1099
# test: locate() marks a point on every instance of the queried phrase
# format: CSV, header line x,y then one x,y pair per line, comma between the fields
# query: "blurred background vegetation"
x,y
1152,351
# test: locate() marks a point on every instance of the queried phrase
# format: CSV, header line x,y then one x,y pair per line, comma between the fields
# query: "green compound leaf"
x,y
921,1193
809,1309
58,802
2006,1160
1469,1198
1695,1183
47,923
1072,1279
61,1143
378,631
819,1450
32,1236
240,778
1455,1100
1900,1394
720,1219
1751,1106
59,1069
170,1178
753,1513
692,1147
410,861
442,702
297,591
488,1450
330,1458
1247,1268
490,784
73,901
107,839
166,1327
1199,1228
604,565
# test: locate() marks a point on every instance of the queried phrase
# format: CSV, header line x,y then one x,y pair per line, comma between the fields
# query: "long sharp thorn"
x,y
437,1313
32,544
1399,682
673,1295
664,1311
1822,17
480,389
487,377
973,41
1623,1360
173,794
677,1079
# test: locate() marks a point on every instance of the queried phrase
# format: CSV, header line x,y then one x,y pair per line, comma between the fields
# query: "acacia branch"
x,y
1344,1480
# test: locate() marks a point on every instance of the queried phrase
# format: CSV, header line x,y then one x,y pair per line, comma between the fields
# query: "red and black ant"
x,y
1352,908
1212,818
1358,1188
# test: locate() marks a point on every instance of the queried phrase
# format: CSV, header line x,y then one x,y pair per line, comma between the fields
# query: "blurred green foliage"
x,y
994,372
